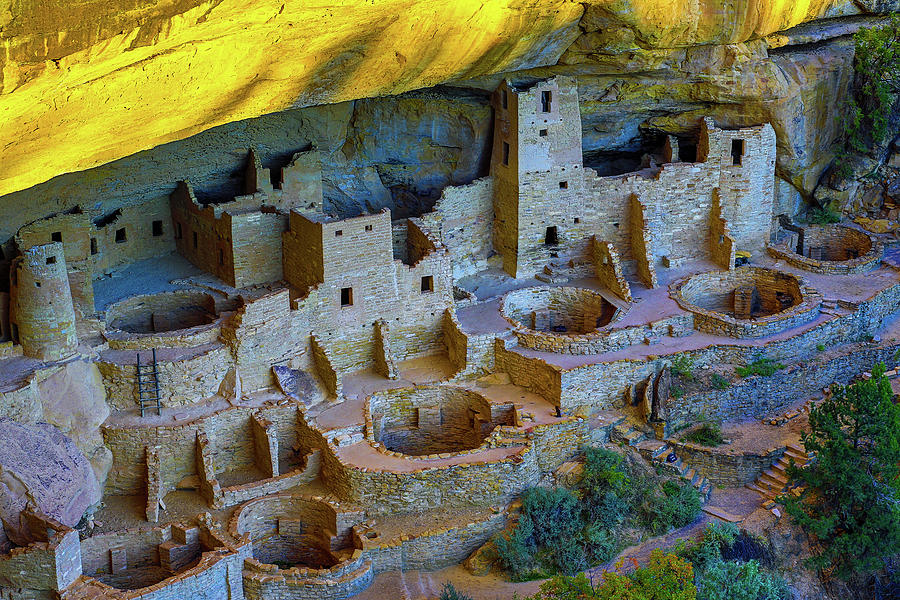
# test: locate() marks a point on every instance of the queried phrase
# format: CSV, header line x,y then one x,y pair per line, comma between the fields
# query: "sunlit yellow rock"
x,y
83,83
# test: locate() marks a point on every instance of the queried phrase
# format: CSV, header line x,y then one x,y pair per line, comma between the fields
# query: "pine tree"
x,y
851,501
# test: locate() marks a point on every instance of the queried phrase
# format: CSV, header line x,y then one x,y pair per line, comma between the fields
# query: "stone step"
x,y
797,449
691,476
752,486
653,449
554,278
721,513
771,481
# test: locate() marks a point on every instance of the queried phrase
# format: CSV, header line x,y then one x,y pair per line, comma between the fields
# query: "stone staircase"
x,y
774,481
657,452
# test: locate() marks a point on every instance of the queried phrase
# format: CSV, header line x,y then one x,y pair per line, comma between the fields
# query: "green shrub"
x,y
666,577
547,537
708,434
683,367
678,505
676,391
451,593
820,347
761,366
718,382
818,215
736,580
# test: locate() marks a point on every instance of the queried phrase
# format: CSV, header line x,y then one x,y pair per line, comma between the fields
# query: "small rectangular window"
x,y
427,284
542,133
577,220
157,228
346,296
195,239
37,284
93,246
221,256
737,152
546,98
339,233
563,185
51,260
504,99
505,153
56,236
120,236
368,228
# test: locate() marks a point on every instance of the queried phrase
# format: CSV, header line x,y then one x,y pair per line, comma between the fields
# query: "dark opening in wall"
x,y
56,236
37,284
15,332
346,296
368,228
195,239
504,99
505,153
542,133
157,228
339,233
120,236
546,99
737,151
563,185
551,238
51,260
177,230
107,219
221,256
93,246
427,284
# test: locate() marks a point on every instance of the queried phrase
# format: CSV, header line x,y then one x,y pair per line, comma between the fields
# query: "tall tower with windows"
x,y
42,316
538,173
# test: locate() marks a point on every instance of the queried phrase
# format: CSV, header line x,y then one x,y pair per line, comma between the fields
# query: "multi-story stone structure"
x,y
548,205
318,379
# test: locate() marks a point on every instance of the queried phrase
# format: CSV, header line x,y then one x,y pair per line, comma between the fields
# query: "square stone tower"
x,y
538,170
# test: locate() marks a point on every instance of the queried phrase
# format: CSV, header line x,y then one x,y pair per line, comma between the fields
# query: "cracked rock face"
x,y
42,467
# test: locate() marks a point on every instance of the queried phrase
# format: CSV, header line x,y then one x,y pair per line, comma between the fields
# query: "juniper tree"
x,y
851,501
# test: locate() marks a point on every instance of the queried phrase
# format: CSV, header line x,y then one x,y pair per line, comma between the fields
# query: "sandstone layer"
x,y
87,83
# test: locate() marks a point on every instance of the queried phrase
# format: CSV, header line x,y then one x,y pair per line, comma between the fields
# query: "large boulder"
x,y
41,467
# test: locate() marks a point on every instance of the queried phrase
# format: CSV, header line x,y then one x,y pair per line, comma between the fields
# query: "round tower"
x,y
41,315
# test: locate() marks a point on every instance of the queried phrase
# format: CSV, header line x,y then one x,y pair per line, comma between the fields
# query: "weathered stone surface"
x,y
118,78
74,401
41,466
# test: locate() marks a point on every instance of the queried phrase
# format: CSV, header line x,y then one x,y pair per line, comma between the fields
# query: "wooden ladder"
x,y
148,385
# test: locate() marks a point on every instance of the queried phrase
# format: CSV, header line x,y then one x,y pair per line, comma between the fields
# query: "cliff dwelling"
x,y
414,333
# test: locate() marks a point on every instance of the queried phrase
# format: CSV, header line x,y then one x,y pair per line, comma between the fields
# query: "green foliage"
x,y
708,434
683,367
666,577
761,366
820,347
851,500
562,531
718,382
678,505
876,67
720,579
677,391
547,536
819,215
448,592
736,580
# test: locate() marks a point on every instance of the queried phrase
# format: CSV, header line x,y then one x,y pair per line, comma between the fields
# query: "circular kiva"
x,y
163,312
830,250
558,310
433,419
747,302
